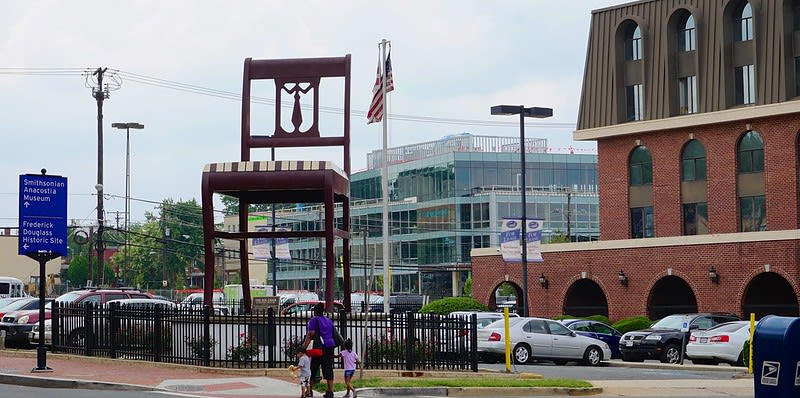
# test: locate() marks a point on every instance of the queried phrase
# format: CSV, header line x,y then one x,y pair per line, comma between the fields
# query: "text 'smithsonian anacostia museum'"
x,y
695,108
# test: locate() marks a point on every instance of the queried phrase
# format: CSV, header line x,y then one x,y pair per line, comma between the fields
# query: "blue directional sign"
x,y
42,215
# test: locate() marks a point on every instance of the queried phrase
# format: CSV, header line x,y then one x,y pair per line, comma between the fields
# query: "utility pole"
x,y
164,237
100,94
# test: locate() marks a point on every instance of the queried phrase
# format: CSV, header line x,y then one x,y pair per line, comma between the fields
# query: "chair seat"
x,y
278,165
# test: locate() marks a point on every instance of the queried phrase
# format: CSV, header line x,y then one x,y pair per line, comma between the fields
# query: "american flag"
x,y
375,113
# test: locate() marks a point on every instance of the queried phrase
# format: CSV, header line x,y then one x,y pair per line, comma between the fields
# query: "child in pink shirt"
x,y
351,362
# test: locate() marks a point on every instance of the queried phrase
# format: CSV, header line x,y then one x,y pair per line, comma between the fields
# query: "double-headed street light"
x,y
523,112
127,127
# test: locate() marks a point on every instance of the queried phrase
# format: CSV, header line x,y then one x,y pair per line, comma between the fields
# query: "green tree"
x,y
559,237
230,206
467,287
506,289
154,254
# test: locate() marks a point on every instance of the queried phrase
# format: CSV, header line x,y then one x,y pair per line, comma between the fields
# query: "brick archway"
x,y
495,305
584,298
769,293
671,295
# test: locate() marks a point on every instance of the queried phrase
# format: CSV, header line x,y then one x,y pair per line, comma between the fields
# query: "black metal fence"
x,y
400,341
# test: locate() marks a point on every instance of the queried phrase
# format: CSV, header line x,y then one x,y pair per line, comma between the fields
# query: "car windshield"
x,y
17,305
672,322
6,301
68,297
499,323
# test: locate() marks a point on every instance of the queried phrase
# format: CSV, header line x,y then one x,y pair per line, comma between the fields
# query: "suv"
x,y
71,320
664,339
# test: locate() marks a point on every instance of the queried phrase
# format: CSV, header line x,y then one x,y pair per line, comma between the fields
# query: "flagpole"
x,y
387,281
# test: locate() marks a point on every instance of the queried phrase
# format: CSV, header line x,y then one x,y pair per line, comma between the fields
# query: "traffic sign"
x,y
42,215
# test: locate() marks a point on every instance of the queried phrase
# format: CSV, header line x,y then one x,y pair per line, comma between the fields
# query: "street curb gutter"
x,y
32,381
481,391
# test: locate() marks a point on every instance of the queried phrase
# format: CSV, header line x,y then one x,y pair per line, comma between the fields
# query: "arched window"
x,y
687,39
750,183
633,43
693,162
694,202
744,23
750,153
641,167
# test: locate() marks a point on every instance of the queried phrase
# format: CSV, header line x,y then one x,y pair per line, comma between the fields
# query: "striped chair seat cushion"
x,y
272,166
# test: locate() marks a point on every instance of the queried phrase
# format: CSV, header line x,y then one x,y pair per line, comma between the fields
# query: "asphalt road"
x,y
12,391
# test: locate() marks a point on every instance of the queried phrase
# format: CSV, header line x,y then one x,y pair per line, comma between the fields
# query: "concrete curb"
x,y
658,365
480,391
46,382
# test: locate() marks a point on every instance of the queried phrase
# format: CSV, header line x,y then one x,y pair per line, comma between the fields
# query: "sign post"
x,y
42,234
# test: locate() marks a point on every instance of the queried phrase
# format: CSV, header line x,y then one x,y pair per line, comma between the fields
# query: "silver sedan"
x,y
539,338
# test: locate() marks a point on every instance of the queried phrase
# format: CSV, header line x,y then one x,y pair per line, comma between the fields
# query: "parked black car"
x,y
663,339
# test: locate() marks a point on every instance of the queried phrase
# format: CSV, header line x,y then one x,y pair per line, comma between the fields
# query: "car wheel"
x,y
592,356
740,360
671,354
522,354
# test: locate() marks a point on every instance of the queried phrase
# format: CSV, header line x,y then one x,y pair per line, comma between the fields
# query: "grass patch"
x,y
457,382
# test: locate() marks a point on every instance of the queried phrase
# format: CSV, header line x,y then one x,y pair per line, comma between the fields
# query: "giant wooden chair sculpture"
x,y
285,181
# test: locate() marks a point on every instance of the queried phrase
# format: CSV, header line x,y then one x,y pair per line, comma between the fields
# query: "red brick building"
x,y
694,107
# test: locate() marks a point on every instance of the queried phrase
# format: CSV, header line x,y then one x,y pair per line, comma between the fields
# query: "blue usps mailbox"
x,y
42,215
776,357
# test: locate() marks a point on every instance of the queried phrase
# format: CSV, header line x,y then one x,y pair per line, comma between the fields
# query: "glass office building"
x,y
446,197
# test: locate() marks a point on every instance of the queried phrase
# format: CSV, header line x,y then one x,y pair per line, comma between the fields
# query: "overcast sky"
x,y
180,66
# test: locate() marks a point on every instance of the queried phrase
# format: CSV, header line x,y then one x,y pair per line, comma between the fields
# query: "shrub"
x,y
565,316
633,323
388,349
246,350
197,348
290,345
450,304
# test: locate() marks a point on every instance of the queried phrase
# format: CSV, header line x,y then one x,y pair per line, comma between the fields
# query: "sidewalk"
x,y
70,371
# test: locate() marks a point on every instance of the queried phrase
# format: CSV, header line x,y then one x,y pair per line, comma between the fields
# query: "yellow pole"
x,y
508,340
752,331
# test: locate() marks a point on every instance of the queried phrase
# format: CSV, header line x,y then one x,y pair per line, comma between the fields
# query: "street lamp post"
x,y
523,112
127,127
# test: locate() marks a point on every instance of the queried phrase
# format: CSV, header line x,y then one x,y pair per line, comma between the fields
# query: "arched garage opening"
x,y
505,295
769,294
671,295
585,298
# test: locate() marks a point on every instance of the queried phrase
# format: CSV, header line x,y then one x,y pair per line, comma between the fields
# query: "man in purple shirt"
x,y
322,326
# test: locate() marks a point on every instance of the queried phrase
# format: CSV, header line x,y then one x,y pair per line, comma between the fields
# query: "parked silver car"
x,y
539,338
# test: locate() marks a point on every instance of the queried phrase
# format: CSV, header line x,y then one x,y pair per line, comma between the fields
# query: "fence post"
x,y
55,336
157,333
271,337
206,335
410,339
473,337
88,329
343,323
114,322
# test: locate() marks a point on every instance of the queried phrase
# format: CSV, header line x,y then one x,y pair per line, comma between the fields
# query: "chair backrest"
x,y
296,77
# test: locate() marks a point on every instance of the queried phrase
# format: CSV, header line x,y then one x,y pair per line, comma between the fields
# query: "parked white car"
x,y
48,333
539,338
722,343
